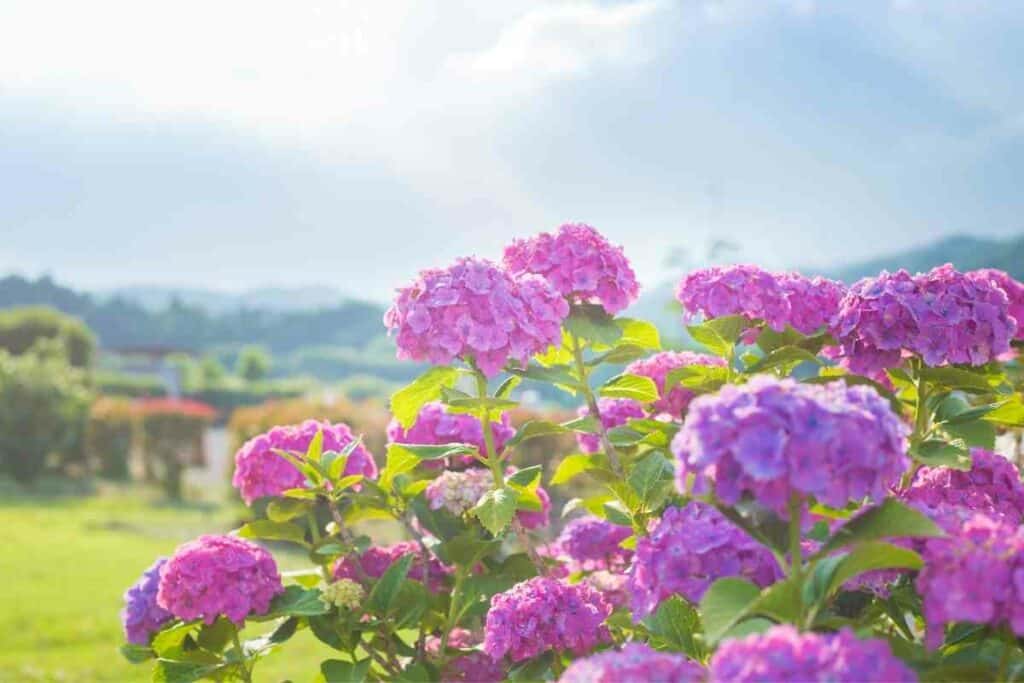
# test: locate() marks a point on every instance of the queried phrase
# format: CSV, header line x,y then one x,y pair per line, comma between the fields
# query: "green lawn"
x,y
64,565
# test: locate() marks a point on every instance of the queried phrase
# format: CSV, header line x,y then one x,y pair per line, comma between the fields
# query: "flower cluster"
x,y
813,302
592,543
475,310
943,316
434,425
218,575
672,401
772,438
376,560
259,471
471,667
545,614
635,663
614,412
784,654
1014,290
344,593
612,585
687,551
992,486
457,492
735,290
578,262
975,575
142,616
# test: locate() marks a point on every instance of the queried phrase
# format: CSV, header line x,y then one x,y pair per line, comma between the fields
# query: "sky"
x,y
232,144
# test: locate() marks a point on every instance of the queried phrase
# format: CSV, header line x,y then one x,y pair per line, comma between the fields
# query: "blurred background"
x,y
204,208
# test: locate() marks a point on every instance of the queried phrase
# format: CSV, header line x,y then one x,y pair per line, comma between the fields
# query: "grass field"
x,y
64,565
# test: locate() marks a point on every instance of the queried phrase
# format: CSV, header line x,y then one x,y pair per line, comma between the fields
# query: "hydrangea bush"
x,y
809,491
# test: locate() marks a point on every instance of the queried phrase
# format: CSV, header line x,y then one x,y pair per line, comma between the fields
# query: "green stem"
x,y
493,461
796,559
1004,660
921,421
588,394
556,664
450,620
246,673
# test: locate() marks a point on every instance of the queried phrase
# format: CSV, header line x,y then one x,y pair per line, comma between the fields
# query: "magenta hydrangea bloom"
x,y
687,551
675,401
976,574
457,492
592,543
735,290
771,438
614,413
578,262
784,654
635,663
612,585
474,309
545,614
1014,290
259,471
943,316
435,426
992,486
470,667
376,560
813,302
142,616
216,576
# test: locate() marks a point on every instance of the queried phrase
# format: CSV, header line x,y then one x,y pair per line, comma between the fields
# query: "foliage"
x,y
23,328
127,385
109,436
172,439
253,363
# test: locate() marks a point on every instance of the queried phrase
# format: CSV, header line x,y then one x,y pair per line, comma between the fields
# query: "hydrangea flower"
x,y
475,310
142,616
976,574
545,614
218,575
612,585
344,593
614,413
735,290
992,486
675,401
376,560
784,654
771,438
943,316
259,471
471,667
813,302
1014,290
687,551
592,543
635,663
435,426
578,262
457,492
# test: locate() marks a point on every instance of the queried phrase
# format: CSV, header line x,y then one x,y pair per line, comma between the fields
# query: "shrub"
x,y
109,437
253,364
172,439
23,328
131,386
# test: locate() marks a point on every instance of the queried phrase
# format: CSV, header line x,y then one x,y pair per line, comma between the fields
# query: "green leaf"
x,y
592,324
338,671
785,357
972,381
466,549
385,590
769,340
534,429
619,355
478,405
532,670
719,335
676,622
346,482
636,387
936,452
416,672
136,654
891,519
779,601
869,557
699,378
528,477
506,387
171,638
284,509
296,601
496,508
407,401
650,478
316,447
587,424
399,461
273,531
434,451
570,467
616,515
724,604
215,636
559,375
639,333
1009,414
170,671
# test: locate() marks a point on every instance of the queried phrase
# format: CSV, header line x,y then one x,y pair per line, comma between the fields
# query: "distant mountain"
x,y
277,299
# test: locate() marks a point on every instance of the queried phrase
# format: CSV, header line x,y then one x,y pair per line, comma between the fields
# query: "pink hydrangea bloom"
x,y
578,262
976,574
142,616
771,438
784,654
545,614
635,663
434,425
218,575
457,492
612,585
377,559
687,551
470,667
474,309
657,367
992,486
614,412
813,302
1014,290
735,290
259,471
943,316
592,543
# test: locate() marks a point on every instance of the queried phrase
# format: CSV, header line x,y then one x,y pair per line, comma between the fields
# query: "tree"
x,y
253,363
21,329
212,371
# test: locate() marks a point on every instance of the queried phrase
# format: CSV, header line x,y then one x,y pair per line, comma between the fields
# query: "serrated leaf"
x,y
592,324
869,557
528,477
296,601
650,478
385,590
496,508
784,357
570,467
407,401
936,452
676,622
284,509
534,429
273,531
972,381
616,515
699,378
636,387
891,519
338,671
639,333
171,671
724,604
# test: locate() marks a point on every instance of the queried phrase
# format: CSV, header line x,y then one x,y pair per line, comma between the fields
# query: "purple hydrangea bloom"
x,y
545,614
1014,290
943,316
142,616
592,543
259,471
976,574
687,551
784,654
735,290
635,663
376,560
218,575
457,492
434,425
813,302
475,310
675,401
612,585
992,486
771,438
470,667
578,262
615,412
